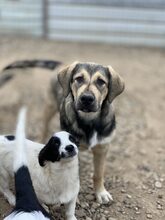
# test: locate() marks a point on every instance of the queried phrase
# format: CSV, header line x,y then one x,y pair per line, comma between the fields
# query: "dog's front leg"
x,y
99,160
49,111
5,188
70,209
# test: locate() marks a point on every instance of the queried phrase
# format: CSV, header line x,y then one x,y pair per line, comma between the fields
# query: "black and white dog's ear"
x,y
50,152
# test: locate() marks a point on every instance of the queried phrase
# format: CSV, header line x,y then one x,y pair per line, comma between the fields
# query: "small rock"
x,y
121,210
90,197
84,204
123,191
158,184
136,208
160,196
87,218
80,213
129,196
106,212
144,187
95,205
150,191
137,213
159,207
149,216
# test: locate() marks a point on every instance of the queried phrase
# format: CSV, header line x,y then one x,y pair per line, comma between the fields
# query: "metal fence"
x,y
21,17
117,21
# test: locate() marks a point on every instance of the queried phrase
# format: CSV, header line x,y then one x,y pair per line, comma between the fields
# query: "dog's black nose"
x,y
87,99
69,148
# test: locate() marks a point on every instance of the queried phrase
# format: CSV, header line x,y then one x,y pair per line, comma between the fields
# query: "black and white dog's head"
x,y
61,146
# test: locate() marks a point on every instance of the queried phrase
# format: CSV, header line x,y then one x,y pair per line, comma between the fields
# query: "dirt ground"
x,y
135,173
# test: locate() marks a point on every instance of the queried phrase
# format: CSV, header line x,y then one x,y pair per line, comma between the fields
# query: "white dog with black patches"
x,y
27,205
53,168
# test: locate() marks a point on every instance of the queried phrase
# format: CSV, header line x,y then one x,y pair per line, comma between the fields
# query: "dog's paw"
x,y
104,197
10,197
12,201
72,218
45,207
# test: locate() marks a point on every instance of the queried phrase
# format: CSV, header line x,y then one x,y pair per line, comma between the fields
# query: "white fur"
x,y
94,140
26,216
19,153
103,197
63,136
54,183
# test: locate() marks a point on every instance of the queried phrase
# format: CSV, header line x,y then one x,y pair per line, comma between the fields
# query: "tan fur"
x,y
117,84
72,90
89,85
64,77
100,153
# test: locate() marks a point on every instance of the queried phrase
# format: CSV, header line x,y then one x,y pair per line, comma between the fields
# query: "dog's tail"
x,y
47,64
26,199
19,152
22,64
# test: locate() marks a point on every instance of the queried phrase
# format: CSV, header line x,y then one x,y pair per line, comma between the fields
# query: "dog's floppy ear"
x,y
64,77
116,84
50,152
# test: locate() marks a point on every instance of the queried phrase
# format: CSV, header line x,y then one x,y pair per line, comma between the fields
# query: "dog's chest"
x,y
97,134
95,139
61,187
68,186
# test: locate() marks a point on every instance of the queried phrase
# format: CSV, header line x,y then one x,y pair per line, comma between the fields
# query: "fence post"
x,y
45,16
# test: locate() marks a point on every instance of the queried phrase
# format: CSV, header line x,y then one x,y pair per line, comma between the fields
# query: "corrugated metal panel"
x,y
116,21
106,24
107,27
21,17
117,3
95,12
156,42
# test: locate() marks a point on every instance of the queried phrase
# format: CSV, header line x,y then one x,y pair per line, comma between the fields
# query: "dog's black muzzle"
x,y
87,102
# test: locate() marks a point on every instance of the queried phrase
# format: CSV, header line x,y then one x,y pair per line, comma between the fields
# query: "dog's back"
x,y
27,205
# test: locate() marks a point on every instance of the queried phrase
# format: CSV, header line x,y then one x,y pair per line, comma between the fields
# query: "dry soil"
x,y
135,173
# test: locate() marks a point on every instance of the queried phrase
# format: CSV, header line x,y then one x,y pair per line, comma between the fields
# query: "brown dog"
x,y
83,93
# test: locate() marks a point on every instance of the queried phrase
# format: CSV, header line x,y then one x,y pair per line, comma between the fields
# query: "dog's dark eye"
x,y
79,79
73,140
56,142
100,82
